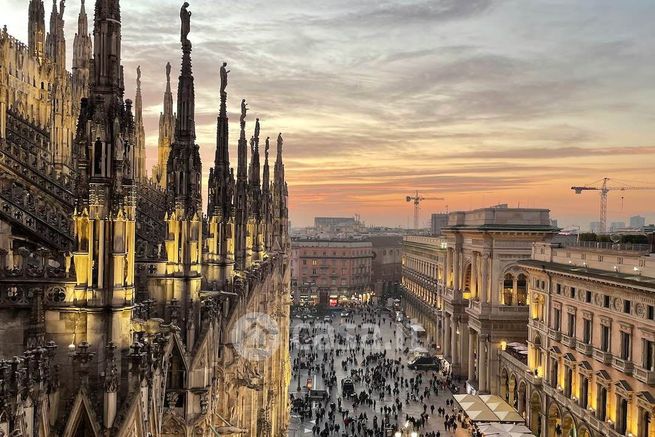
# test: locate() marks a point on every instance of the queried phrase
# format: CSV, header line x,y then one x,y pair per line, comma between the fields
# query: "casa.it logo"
x,y
255,336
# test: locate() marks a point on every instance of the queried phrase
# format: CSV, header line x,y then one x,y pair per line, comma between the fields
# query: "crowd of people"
x,y
387,396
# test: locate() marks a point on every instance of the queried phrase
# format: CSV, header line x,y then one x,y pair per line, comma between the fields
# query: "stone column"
x,y
482,364
474,275
463,350
472,342
485,279
456,262
446,330
448,270
453,341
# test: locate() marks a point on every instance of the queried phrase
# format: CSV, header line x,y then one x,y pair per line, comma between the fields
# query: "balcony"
x,y
645,376
584,348
539,325
625,366
569,341
554,334
603,357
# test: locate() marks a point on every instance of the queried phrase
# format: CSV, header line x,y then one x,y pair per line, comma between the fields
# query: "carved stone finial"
x,y
168,72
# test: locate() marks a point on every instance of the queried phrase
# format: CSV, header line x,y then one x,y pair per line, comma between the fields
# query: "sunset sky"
x,y
478,101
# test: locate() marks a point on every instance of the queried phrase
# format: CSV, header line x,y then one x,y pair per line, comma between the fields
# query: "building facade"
x,y
565,332
340,268
591,346
438,222
123,303
386,265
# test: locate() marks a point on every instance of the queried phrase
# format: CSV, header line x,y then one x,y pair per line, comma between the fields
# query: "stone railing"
x,y
584,348
46,222
603,357
625,366
645,376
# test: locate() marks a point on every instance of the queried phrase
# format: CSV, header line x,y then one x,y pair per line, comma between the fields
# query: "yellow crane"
x,y
417,201
604,188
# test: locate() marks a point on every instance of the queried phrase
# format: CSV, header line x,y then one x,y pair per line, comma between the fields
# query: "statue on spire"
x,y
224,73
138,77
280,142
268,146
185,16
168,72
257,129
244,110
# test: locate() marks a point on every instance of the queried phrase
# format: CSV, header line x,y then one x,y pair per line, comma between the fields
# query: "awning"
x,y
487,408
504,430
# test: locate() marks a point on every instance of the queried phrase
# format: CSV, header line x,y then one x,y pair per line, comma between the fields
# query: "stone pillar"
x,y
449,268
463,350
472,342
474,275
456,262
453,342
485,279
446,342
483,366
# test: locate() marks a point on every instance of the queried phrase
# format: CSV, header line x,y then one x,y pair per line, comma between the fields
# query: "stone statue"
x,y
268,145
224,73
244,110
185,17
280,142
138,77
257,128
168,72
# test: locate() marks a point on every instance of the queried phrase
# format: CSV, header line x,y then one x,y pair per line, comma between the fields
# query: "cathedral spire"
x,y
55,41
81,58
166,126
184,166
220,201
107,70
36,28
241,196
140,152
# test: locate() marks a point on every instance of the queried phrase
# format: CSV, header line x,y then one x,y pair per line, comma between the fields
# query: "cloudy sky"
x,y
478,101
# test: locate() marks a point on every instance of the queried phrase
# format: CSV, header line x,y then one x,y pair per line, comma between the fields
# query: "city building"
x,y
338,225
337,269
437,222
563,331
386,267
590,368
594,227
616,226
637,222
122,302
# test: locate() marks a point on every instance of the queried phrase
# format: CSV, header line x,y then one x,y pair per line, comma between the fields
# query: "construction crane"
x,y
604,188
417,201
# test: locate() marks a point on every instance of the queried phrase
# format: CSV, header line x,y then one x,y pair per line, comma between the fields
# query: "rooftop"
x,y
626,279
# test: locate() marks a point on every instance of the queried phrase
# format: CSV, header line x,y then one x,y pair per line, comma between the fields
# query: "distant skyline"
x,y
478,101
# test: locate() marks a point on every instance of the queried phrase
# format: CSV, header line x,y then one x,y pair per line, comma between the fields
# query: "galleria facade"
x,y
125,309
564,332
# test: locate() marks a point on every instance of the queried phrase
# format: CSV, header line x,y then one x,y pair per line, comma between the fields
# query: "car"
x,y
347,387
345,314
424,363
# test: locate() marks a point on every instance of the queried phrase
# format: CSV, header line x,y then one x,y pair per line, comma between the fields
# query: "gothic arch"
x,y
522,398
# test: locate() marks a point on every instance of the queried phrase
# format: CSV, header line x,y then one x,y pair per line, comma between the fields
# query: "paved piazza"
x,y
367,332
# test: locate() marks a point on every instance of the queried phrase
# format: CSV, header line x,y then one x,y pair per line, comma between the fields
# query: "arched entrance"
x,y
522,395
513,392
568,426
554,428
535,418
